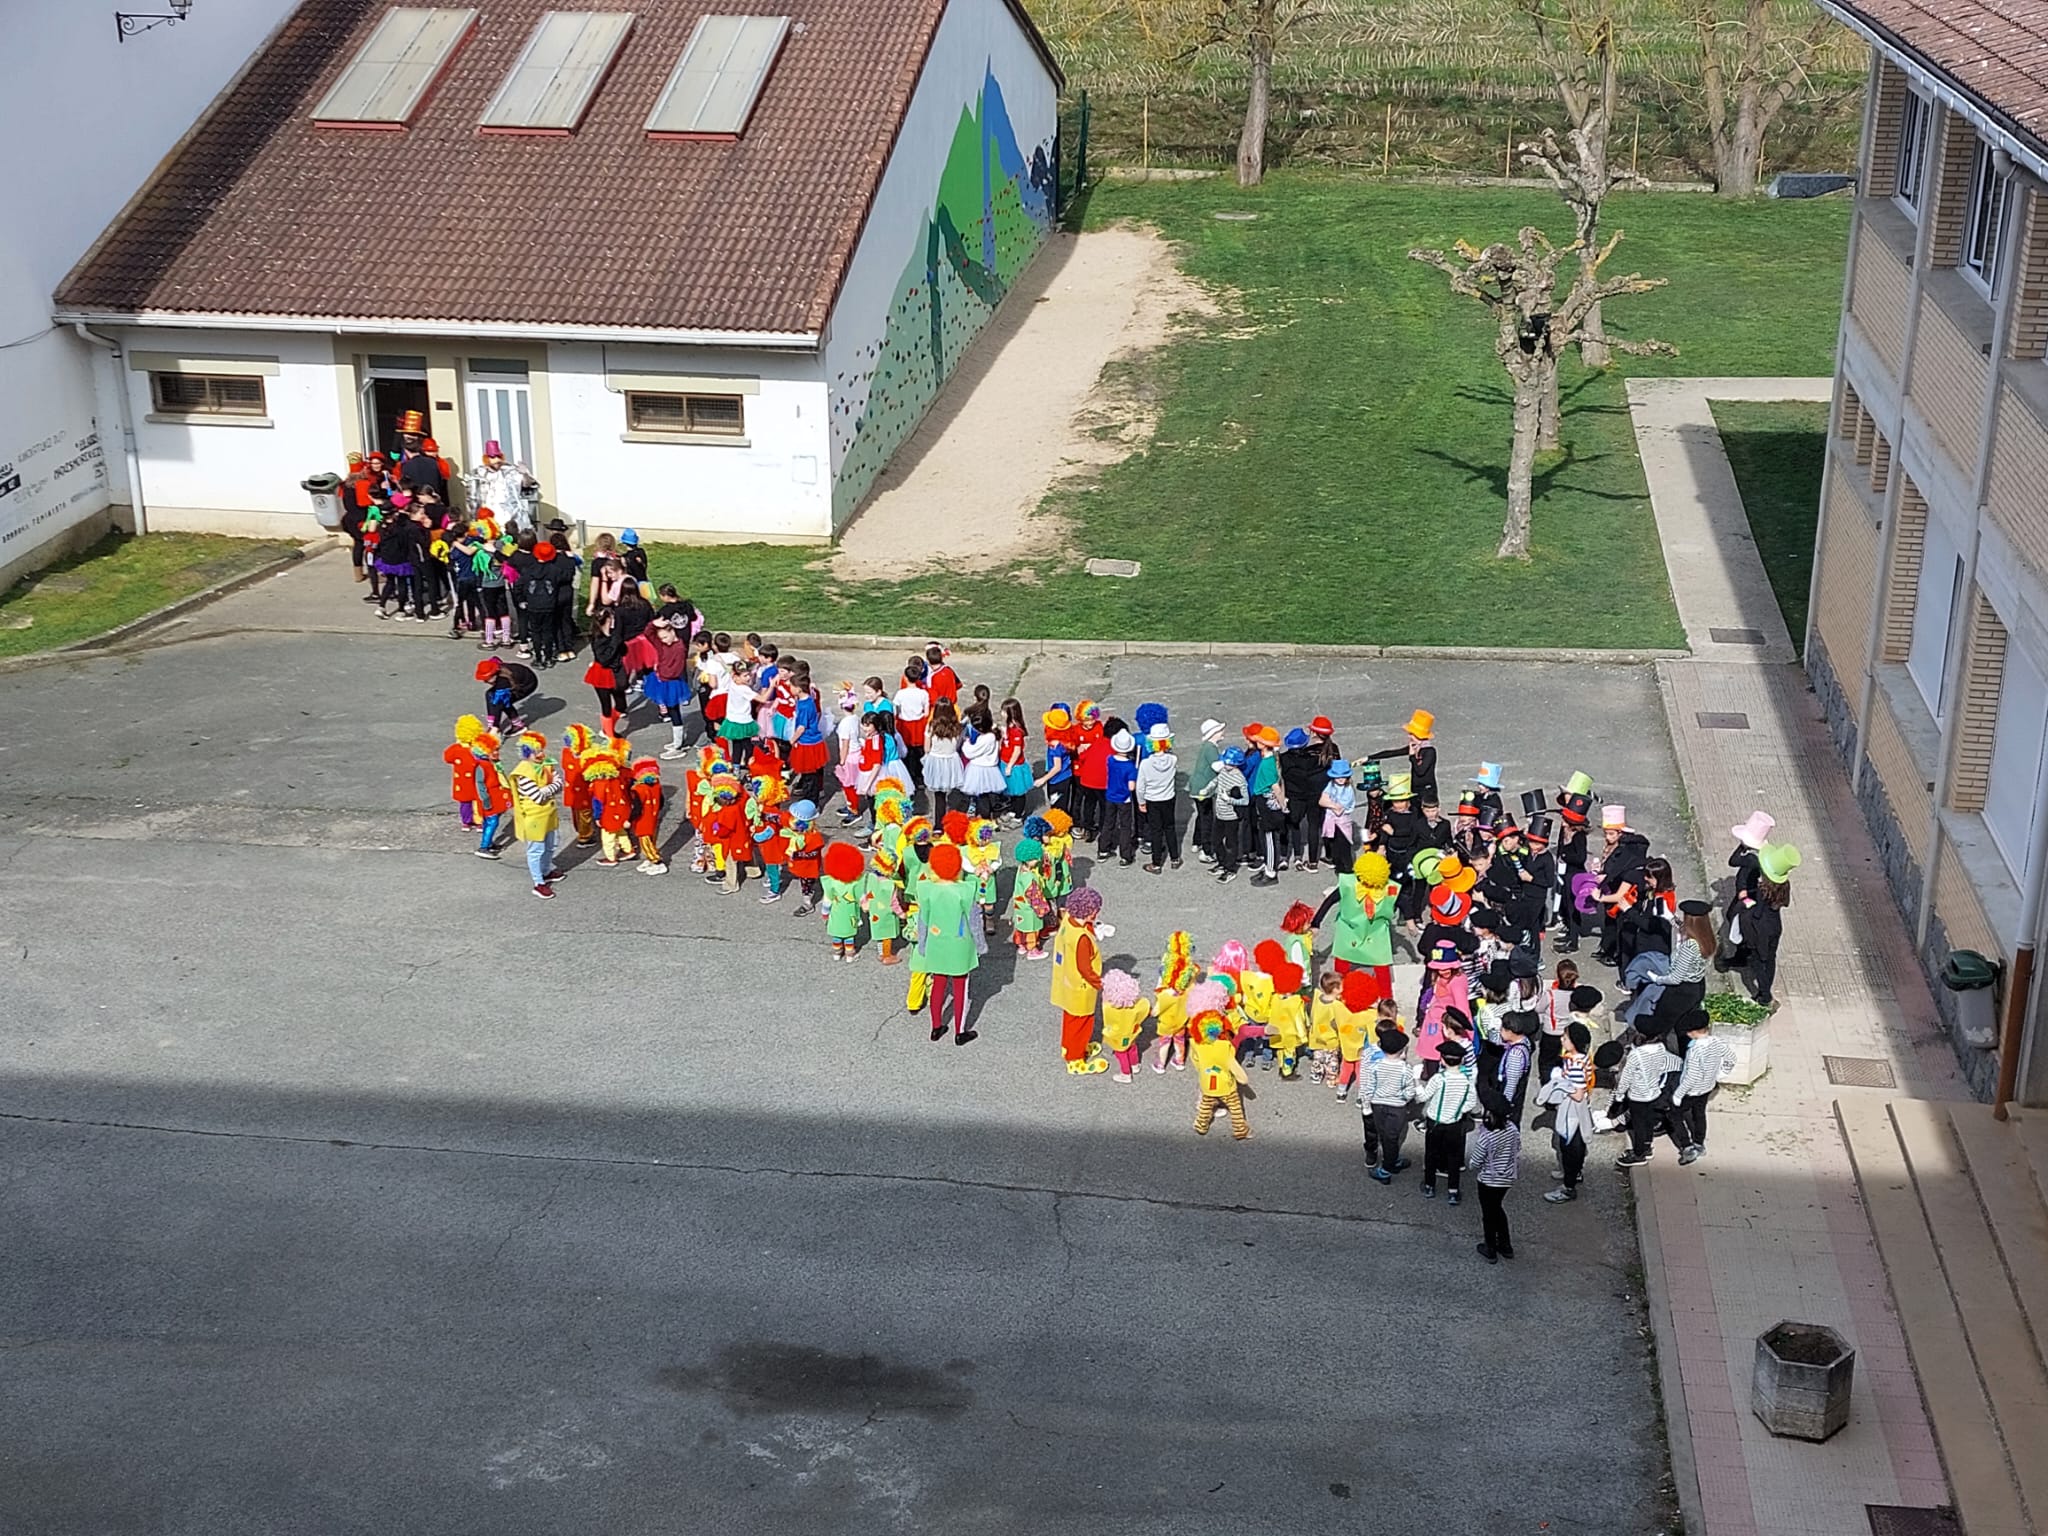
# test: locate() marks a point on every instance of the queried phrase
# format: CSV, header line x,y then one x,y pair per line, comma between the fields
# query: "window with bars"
x,y
694,415
207,394
1990,196
1916,117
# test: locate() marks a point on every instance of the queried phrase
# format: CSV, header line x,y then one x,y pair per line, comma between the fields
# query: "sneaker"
x,y
1151,869
1486,1252
1159,1067
1562,1196
556,874
804,909
966,1036
1123,1077
1227,876
565,655
610,863
488,853
938,1033
1204,856
1180,1064
1428,1190
771,898
670,754
1381,1176
1630,1160
485,645
1452,1198
1689,1156
544,890
653,869
1037,954
1175,863
1343,1094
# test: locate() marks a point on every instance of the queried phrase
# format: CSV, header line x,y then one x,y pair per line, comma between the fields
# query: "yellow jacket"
x,y
1322,1026
1255,995
1072,992
1288,1022
1120,1026
1216,1060
1170,1013
1352,1028
536,790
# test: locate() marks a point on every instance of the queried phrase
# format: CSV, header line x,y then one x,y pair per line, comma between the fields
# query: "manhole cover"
x,y
1721,720
1898,1520
64,581
1736,636
1860,1072
1231,217
1124,568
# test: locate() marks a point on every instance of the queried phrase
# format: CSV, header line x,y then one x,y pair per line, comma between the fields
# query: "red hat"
x,y
1449,907
1251,732
843,861
1268,954
1321,725
427,443
954,825
487,669
944,862
1361,990
1286,976
543,550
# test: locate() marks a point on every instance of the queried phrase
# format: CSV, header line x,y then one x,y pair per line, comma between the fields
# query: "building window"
x,y
686,415
565,58
2013,796
1916,118
206,394
1941,584
719,78
1990,196
398,64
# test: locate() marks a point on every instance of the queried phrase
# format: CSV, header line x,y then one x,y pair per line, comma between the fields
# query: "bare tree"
x,y
1177,30
1533,327
1576,44
1750,66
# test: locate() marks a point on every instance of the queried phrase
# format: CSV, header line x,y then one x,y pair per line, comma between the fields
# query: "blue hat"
x,y
628,536
1294,739
804,810
1488,776
1234,756
1340,769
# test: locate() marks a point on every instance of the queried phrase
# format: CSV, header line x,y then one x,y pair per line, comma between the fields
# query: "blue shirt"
x,y
1123,781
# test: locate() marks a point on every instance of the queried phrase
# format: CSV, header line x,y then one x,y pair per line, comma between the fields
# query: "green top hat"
x,y
1579,784
1777,861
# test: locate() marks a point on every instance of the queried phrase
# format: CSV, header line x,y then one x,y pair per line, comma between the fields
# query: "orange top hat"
x,y
1421,725
412,424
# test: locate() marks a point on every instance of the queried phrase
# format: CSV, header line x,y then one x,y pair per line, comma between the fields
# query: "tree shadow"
x,y
1497,394
1541,482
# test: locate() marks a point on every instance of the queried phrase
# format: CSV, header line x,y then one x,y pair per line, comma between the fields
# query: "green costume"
x,y
842,921
880,890
1022,918
1365,932
946,928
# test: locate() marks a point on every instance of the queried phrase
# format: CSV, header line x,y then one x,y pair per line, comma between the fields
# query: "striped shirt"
x,y
1449,1096
1497,1155
1707,1061
1687,964
1387,1080
1643,1074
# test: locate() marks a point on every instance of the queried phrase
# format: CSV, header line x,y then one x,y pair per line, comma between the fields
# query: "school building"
x,y
702,272
1928,640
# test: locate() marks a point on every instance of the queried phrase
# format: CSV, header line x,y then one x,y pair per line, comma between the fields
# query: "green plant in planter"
x,y
1734,1008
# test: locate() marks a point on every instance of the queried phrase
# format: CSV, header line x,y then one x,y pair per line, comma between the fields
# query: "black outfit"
x,y
1443,1151
1422,773
1162,832
1303,774
608,650
1623,865
1756,956
1493,1220
1571,859
422,472
1494,1094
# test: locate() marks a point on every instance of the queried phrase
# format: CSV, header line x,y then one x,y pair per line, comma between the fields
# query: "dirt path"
x,y
1027,407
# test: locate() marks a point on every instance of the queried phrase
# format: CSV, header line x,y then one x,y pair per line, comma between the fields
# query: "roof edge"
x,y
502,330
1996,124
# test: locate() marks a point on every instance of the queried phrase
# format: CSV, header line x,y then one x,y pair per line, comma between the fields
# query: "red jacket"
x,y
807,854
612,802
461,773
646,809
496,797
1091,762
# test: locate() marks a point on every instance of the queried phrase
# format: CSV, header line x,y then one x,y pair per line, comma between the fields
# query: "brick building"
x,y
1928,640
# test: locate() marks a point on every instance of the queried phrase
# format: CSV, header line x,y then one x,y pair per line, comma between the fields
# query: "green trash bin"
x,y
1973,978
325,489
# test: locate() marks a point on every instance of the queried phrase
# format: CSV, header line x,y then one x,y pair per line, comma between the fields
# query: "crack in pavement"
x,y
535,1218
741,1170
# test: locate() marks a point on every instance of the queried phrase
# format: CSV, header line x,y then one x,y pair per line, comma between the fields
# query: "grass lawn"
x,y
1777,450
1330,461
118,579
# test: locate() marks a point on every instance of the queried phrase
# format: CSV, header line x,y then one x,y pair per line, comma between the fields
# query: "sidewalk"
x,y
1770,1226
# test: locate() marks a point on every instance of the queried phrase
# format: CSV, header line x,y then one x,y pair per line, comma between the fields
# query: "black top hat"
x,y
1533,802
1538,830
1575,808
1696,907
1489,818
1468,803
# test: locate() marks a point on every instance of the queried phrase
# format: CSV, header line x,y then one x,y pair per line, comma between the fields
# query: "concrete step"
x,y
1958,1409
2032,1126
2007,1363
2012,1201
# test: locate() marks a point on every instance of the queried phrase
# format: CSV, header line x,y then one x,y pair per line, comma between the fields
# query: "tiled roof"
x,y
1996,50
262,213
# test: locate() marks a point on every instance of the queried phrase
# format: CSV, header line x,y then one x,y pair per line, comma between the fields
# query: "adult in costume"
x,y
1077,980
949,939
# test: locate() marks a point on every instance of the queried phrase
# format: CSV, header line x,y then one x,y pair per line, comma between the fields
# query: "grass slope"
x,y
121,578
1330,462
1778,450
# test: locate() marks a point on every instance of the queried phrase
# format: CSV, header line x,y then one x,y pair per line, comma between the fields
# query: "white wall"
x,y
227,476
86,117
777,486
878,355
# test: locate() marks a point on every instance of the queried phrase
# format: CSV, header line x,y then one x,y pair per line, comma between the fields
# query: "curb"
x,y
1685,1472
991,645
94,644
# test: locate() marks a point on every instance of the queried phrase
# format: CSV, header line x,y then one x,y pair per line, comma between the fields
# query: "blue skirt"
x,y
664,692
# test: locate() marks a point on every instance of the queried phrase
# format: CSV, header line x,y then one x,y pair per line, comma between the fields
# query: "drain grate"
x,y
1124,568
1860,1072
1736,636
1900,1520
1721,720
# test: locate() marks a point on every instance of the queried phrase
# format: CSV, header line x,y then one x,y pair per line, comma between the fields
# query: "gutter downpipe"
x,y
138,507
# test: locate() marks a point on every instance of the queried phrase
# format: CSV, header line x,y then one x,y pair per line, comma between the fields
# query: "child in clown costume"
x,y
493,795
1365,899
1030,907
646,825
770,825
882,900
461,761
576,747
1322,1028
726,830
844,873
1222,1079
1298,936
612,801
1077,979
1058,839
984,857
1169,1002
1287,1018
1124,1009
806,855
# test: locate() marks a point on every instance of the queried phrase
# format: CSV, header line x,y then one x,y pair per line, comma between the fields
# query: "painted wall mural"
x,y
990,213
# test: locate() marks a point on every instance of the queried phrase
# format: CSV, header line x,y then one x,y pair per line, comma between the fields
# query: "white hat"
x,y
1160,732
1756,831
1212,730
1614,817
1122,741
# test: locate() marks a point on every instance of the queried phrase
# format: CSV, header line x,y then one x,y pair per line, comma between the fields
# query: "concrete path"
x,y
1770,1226
1724,598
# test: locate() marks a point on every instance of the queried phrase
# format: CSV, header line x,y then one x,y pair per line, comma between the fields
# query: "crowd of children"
x,y
931,776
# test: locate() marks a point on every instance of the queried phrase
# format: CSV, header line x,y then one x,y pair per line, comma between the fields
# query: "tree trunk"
x,y
1514,535
1251,143
1737,151
1547,412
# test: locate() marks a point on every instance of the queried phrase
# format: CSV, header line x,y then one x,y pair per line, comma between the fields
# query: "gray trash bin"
x,y
1974,981
325,489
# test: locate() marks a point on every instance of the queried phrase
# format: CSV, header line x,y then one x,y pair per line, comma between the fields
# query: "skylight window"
x,y
559,71
719,78
404,56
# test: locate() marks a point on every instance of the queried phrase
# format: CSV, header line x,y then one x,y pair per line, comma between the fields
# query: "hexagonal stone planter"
x,y
1800,1387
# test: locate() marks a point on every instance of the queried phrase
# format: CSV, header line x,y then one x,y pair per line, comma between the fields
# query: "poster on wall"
x,y
48,484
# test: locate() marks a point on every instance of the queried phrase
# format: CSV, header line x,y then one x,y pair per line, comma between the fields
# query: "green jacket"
x,y
946,925
1362,938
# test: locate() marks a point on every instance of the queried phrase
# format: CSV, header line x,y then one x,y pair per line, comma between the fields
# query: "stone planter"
x,y
1751,1048
1801,1383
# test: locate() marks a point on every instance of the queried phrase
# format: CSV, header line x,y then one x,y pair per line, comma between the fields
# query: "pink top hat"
x,y
1756,831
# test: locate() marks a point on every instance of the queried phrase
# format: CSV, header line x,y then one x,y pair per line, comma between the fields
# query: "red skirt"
x,y
811,758
600,677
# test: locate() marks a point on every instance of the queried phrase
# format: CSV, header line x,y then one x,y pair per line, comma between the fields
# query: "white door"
x,y
500,409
